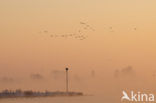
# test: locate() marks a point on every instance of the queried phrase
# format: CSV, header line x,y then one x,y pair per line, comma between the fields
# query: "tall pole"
x,y
67,80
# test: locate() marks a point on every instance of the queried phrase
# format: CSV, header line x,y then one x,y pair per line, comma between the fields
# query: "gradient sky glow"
x,y
24,50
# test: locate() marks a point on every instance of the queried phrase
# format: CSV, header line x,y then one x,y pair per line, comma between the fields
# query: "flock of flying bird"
x,y
80,34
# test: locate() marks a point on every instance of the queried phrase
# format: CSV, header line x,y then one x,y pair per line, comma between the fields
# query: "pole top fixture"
x,y
67,69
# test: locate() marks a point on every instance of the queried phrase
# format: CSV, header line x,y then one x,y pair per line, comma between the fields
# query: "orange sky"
x,y
115,44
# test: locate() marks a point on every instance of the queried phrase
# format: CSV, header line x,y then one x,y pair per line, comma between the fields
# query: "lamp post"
x,y
67,80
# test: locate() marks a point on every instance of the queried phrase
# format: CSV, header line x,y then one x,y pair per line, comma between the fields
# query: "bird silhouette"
x,y
82,23
135,28
45,31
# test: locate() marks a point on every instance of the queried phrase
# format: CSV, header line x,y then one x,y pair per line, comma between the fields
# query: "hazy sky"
x,y
124,36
